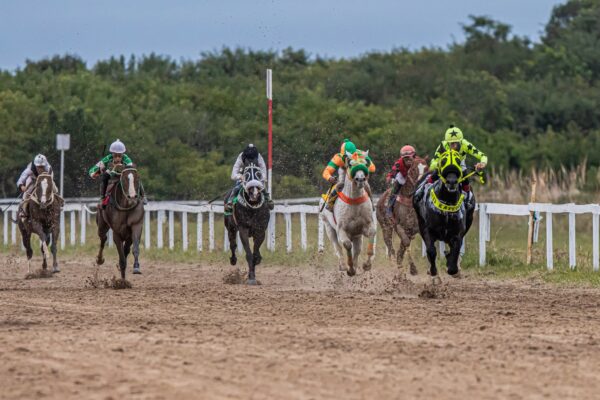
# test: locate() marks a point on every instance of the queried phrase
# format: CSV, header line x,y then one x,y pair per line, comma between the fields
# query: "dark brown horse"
x,y
124,214
42,211
404,219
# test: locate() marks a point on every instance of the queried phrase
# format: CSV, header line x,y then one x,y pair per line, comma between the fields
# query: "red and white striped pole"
x,y
270,155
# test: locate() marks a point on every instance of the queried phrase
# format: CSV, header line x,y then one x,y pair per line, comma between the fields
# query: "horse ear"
x,y
367,153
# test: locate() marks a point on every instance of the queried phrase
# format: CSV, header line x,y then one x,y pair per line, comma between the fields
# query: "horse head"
x,y
44,190
253,183
450,170
416,170
130,183
357,165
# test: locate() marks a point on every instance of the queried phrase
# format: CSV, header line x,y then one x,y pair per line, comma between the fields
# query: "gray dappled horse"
x,y
43,218
124,214
404,219
250,217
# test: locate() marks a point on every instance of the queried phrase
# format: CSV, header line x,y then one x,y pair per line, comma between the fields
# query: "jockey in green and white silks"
x,y
250,155
117,156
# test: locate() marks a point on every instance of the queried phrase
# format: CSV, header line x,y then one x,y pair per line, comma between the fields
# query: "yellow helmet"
x,y
453,134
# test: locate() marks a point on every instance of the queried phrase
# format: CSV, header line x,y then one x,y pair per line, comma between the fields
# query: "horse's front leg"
x,y
232,236
431,255
38,229
103,229
370,234
452,258
347,243
356,250
259,238
136,233
53,234
121,250
244,237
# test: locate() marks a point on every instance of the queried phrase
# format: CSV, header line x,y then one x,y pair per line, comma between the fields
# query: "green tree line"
x,y
523,103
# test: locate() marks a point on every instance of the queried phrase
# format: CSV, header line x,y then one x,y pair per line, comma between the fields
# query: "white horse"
x,y
352,216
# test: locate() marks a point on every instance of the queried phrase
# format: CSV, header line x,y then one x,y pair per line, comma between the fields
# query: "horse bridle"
x,y
33,197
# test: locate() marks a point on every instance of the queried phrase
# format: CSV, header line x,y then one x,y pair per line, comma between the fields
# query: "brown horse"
x,y
42,211
404,220
124,215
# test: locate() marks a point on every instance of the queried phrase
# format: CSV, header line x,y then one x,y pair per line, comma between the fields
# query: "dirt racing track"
x,y
305,333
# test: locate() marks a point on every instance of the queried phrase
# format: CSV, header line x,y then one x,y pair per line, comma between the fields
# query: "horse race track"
x,y
305,333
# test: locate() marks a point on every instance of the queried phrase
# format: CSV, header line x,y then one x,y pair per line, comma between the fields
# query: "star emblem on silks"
x,y
453,133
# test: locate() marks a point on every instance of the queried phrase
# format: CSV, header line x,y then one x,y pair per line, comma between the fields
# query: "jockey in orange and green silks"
x,y
338,164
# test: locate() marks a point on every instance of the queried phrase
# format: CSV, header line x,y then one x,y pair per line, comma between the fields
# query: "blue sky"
x,y
185,28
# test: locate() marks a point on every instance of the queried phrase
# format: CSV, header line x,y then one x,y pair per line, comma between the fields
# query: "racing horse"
x,y
352,216
42,211
443,213
124,214
404,219
250,217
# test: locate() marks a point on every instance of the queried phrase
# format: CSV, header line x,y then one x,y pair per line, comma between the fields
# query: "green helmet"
x,y
347,146
453,134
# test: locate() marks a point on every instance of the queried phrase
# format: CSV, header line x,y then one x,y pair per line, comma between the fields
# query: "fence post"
x,y
572,255
159,229
110,238
184,231
303,231
211,231
62,230
321,241
83,225
595,261
271,232
171,229
72,233
147,237
5,228
483,233
549,250
225,240
288,232
199,231
240,247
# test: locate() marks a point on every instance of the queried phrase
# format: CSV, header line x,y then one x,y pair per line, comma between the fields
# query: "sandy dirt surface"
x,y
305,333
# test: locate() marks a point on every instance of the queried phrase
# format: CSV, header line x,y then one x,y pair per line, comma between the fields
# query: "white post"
x,y
184,231
72,233
199,232
147,237
240,247
462,248
270,132
271,232
488,227
211,231
83,225
62,174
549,250
110,238
442,246
288,232
159,229
13,228
62,230
5,228
423,248
321,238
595,256
303,231
572,249
171,229
483,219
225,240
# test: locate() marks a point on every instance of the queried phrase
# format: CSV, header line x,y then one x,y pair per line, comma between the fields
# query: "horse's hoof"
x,y
436,280
257,260
351,272
55,270
366,266
413,269
232,260
457,275
137,271
99,261
252,282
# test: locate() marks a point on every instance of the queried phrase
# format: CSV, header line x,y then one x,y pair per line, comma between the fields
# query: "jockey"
x,y
250,155
397,176
40,165
117,156
454,140
338,164
26,182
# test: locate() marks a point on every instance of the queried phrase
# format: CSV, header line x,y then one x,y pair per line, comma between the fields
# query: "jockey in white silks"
x,y
26,182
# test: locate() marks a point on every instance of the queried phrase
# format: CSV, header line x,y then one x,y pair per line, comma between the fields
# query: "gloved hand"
x,y
332,180
480,166
95,174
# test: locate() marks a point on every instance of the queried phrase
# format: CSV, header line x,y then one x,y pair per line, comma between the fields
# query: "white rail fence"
x,y
165,212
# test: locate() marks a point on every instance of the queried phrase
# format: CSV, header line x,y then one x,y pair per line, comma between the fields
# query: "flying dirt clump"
x,y
233,277
39,274
95,282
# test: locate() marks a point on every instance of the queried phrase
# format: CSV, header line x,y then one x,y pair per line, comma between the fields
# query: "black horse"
x,y
250,217
445,212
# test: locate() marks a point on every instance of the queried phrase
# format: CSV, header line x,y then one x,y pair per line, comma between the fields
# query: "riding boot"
x,y
103,188
331,199
392,199
232,195
270,202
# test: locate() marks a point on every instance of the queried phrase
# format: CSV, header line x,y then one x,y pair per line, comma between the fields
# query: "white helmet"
x,y
117,147
40,161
